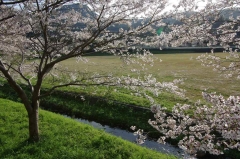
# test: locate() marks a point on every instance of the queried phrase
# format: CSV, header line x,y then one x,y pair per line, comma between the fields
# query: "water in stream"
x,y
126,135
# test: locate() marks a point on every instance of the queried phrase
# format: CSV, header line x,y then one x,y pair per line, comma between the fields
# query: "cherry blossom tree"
x,y
213,127
37,36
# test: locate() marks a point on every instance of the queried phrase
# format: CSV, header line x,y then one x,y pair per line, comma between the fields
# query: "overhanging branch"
x,y
11,2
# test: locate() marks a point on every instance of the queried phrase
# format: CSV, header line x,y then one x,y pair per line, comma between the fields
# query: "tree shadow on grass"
x,y
15,150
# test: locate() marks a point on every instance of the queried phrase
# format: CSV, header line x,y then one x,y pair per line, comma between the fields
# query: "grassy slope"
x,y
60,138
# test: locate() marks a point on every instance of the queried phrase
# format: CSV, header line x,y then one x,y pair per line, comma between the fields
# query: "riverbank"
x,y
102,111
61,138
92,108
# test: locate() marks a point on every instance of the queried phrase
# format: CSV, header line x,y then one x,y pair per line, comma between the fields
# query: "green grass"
x,y
61,138
173,66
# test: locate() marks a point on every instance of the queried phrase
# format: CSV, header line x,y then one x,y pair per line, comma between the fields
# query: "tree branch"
x,y
6,18
16,87
11,2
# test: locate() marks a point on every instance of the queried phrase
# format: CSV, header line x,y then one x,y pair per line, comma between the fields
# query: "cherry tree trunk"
x,y
33,125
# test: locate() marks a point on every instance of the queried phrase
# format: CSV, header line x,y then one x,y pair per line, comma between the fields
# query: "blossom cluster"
x,y
209,128
226,65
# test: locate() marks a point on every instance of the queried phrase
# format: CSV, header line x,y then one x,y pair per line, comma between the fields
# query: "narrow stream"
x,y
126,135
